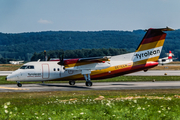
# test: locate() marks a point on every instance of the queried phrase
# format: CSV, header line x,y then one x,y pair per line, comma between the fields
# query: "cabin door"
x,y
45,71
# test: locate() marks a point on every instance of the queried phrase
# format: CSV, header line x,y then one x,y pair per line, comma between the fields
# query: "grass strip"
x,y
108,104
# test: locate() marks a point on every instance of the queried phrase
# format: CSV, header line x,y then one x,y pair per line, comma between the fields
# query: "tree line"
x,y
80,53
22,46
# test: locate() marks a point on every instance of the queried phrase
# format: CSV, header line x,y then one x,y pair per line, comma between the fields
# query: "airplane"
x,y
95,68
166,60
16,62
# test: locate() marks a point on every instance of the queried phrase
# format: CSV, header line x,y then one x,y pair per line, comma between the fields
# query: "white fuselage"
x,y
50,70
42,71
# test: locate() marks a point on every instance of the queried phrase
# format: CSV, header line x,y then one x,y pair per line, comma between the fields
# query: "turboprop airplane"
x,y
166,60
146,56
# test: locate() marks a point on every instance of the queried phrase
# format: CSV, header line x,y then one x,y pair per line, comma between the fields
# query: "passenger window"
x,y
54,69
58,69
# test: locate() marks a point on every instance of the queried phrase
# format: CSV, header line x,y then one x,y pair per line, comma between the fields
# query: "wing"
x,y
96,59
92,63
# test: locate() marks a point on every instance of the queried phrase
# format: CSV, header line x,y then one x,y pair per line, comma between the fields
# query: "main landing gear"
x,y
19,84
88,80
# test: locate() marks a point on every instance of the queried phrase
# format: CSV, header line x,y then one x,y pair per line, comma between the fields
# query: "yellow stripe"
x,y
151,45
113,68
92,73
154,59
95,72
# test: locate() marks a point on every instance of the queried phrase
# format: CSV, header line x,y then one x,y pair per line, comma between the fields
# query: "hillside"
x,y
24,45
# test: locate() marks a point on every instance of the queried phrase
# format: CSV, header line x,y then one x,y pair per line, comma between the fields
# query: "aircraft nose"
x,y
14,76
8,78
11,77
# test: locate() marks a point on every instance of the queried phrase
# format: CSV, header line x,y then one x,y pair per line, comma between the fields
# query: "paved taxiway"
x,y
5,73
96,86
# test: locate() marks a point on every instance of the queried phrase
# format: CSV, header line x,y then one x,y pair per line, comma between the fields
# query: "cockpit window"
x,y
27,67
23,67
30,67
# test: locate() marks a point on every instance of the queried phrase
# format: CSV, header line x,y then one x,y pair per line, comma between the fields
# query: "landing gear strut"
x,y
88,80
72,82
19,84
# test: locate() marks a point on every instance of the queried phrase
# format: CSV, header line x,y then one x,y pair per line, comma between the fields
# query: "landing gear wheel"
x,y
88,83
71,82
19,85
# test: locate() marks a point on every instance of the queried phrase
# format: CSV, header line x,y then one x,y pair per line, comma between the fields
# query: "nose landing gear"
x,y
72,82
19,84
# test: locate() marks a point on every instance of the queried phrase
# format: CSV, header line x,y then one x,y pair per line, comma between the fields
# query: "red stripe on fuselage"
x,y
124,71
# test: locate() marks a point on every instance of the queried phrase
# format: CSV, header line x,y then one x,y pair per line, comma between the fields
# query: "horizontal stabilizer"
x,y
163,29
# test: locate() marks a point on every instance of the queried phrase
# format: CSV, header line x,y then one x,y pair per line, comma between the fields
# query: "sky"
x,y
18,16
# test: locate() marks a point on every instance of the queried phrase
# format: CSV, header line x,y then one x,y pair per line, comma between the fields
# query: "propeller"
x,y
61,62
45,55
48,58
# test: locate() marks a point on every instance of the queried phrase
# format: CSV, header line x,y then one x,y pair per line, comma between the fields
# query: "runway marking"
x,y
13,88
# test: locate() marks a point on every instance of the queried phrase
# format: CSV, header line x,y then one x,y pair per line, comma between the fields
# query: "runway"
x,y
96,86
5,73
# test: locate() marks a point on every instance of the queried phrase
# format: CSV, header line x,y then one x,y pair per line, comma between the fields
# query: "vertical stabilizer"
x,y
150,47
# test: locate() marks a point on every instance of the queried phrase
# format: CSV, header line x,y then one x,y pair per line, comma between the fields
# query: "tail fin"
x,y
150,47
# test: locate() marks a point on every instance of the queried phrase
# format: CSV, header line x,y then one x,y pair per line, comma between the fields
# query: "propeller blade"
x,y
45,55
48,58
61,62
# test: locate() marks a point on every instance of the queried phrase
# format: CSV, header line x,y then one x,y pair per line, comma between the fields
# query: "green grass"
x,y
103,104
118,105
116,79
